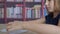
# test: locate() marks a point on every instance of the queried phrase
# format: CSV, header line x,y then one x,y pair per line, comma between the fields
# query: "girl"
x,y
51,20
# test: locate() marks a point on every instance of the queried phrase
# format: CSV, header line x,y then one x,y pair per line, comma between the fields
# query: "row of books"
x,y
16,12
23,0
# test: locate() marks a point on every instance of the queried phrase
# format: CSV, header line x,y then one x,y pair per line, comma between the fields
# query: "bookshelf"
x,y
16,9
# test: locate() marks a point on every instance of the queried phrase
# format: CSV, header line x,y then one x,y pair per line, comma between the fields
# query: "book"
x,y
10,13
33,14
1,13
18,12
37,11
28,12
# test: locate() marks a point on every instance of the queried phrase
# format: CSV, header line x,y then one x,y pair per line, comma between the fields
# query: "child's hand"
x,y
14,26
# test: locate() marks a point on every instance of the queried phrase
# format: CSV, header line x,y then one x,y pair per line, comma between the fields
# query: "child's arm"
x,y
42,28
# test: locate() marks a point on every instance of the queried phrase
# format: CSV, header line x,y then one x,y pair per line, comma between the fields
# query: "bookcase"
x,y
22,10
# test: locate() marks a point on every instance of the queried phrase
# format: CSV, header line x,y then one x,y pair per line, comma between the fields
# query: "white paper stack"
x,y
10,0
28,0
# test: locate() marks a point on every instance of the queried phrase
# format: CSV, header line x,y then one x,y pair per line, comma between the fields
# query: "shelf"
x,y
14,2
22,2
12,20
31,4
37,3
30,19
28,4
2,2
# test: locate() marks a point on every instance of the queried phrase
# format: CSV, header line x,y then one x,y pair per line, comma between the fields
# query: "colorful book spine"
x,y
33,15
28,13
18,12
2,12
37,11
10,12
